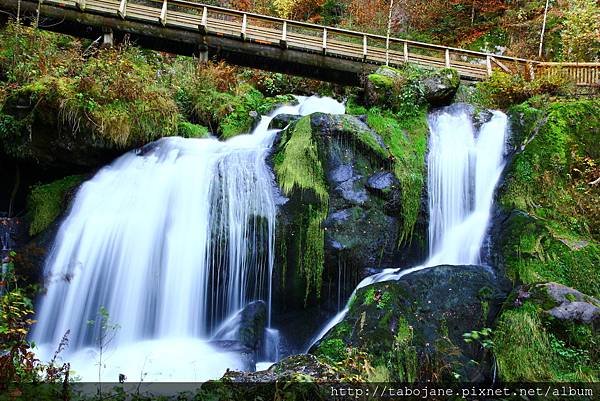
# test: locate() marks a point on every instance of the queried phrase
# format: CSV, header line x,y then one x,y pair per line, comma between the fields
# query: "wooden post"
x,y
80,5
364,47
283,40
447,58
107,37
244,24
204,21
531,71
488,64
163,14
324,40
122,9
203,50
406,52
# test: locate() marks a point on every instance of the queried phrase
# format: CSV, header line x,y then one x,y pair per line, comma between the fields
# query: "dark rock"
x,y
382,181
352,192
281,121
252,325
342,173
298,376
441,86
481,117
247,328
425,314
343,126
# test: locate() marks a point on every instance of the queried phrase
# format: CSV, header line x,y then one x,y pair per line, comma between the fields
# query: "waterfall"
x,y
171,240
464,167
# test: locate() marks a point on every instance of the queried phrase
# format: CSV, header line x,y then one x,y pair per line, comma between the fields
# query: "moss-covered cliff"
x,y
551,232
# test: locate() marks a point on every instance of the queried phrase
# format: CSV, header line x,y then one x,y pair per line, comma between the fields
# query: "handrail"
x,y
224,10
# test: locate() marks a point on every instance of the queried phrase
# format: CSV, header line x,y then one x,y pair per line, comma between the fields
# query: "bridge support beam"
x,y
108,38
202,52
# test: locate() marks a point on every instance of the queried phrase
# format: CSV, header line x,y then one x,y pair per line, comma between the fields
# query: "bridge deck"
x,y
291,46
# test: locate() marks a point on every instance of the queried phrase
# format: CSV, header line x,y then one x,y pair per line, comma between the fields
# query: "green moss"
x,y
298,163
407,142
527,348
46,202
190,130
333,349
522,347
299,169
403,360
557,238
381,81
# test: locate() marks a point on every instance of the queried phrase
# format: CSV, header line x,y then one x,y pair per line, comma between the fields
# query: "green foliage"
x,y
527,348
522,346
406,139
503,90
46,202
187,129
19,367
298,163
580,34
481,336
403,361
333,349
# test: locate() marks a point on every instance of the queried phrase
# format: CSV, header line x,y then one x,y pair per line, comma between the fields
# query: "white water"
x,y
171,240
464,167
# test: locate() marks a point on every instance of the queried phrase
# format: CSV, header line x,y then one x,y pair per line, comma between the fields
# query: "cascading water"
x,y
464,167
170,240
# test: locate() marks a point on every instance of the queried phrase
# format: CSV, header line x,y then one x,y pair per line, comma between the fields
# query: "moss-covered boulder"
x,y
441,86
339,218
397,89
414,328
548,332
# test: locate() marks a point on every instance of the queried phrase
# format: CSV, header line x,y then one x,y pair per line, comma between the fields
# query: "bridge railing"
x,y
336,42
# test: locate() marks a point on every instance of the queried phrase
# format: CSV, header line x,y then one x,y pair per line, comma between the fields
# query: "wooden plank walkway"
x,y
333,43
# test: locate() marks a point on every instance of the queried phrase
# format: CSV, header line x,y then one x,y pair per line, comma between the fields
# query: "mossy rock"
x,y
333,216
532,342
415,325
294,378
393,88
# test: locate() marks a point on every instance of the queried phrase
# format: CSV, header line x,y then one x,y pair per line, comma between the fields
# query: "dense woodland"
x,y
69,107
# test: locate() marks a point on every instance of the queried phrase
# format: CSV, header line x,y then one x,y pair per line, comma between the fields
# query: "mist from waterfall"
x,y
171,239
464,165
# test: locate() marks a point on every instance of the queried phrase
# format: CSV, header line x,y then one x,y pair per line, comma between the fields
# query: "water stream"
x,y
171,240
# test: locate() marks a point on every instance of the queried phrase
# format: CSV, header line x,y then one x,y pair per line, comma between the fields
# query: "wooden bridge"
x,y
270,43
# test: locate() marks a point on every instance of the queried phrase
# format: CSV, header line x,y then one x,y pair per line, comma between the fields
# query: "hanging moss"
x,y
407,142
46,202
299,170
298,164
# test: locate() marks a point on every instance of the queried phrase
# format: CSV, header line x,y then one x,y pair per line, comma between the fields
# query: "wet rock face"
x,y
252,325
424,314
282,120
